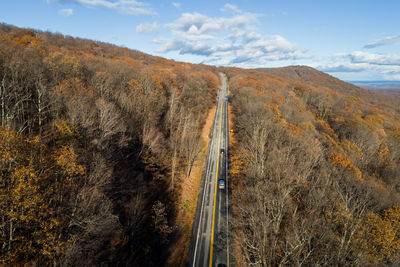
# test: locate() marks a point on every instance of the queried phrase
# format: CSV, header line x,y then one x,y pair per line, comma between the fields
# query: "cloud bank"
x,y
227,40
385,66
373,58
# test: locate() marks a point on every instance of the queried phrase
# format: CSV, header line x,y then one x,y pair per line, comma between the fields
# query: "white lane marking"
x,y
219,211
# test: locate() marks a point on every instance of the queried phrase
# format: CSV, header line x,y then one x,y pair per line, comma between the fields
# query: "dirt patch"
x,y
232,139
188,197
207,126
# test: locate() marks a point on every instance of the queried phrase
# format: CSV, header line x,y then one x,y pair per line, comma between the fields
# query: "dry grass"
x,y
232,139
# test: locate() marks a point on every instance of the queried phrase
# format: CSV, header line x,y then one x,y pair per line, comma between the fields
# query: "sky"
x,y
354,40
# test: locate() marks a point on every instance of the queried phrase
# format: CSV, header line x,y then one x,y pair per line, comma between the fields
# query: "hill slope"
x,y
315,169
95,141
313,77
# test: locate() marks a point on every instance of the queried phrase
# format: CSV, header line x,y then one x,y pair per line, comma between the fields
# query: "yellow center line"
x,y
215,187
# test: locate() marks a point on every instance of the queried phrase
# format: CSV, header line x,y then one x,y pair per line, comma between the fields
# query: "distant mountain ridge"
x,y
314,77
377,84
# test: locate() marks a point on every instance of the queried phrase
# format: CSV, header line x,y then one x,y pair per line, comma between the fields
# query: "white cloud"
x,y
194,37
360,65
176,4
186,47
228,40
192,22
251,36
128,7
271,43
147,27
343,67
373,58
384,41
230,8
196,23
67,12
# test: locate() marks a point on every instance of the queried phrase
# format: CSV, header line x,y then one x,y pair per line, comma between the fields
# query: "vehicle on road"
x,y
222,150
221,184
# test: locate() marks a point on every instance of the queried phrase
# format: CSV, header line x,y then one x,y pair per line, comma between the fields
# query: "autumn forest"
x,y
94,142
315,169
100,146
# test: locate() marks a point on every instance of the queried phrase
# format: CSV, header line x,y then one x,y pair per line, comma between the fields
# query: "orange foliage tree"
x,y
344,162
379,238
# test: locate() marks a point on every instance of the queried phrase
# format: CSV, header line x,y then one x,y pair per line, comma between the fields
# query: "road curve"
x,y
209,244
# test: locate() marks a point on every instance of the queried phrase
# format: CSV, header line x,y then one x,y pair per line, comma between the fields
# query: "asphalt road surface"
x,y
209,245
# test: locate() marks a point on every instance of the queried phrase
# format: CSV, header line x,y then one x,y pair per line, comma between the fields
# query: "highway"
x,y
209,244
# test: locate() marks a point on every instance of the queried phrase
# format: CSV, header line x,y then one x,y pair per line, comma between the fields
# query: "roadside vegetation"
x,y
315,170
95,142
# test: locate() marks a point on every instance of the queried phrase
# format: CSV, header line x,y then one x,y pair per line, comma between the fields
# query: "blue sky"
x,y
352,40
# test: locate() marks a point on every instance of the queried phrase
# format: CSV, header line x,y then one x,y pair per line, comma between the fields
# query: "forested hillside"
x,y
315,170
97,142
94,143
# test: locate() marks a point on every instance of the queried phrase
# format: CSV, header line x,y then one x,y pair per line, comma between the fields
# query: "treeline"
x,y
315,170
94,141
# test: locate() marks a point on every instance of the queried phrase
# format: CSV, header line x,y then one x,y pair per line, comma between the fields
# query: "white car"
x,y
221,184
